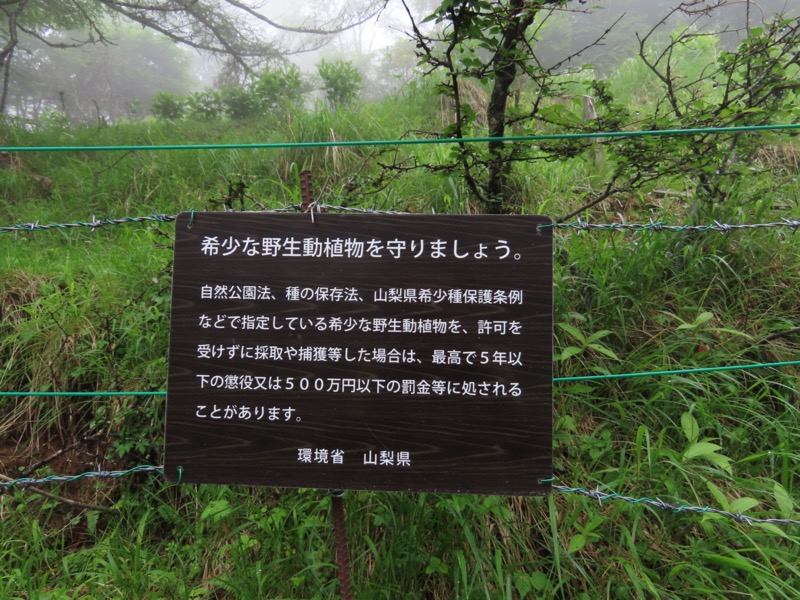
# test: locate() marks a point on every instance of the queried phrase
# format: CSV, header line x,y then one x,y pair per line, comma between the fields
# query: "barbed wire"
x,y
658,226
93,224
30,481
595,494
580,225
601,497
320,206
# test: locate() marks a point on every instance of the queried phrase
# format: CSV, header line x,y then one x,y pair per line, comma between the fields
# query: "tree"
x,y
490,45
396,67
97,81
237,29
485,42
756,84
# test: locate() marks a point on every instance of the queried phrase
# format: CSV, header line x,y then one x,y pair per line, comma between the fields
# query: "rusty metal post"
x,y
306,190
342,551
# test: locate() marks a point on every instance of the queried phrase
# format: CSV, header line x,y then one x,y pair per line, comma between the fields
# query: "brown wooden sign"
x,y
374,352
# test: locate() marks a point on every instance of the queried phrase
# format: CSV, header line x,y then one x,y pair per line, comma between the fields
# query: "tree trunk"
x,y
505,72
6,80
7,54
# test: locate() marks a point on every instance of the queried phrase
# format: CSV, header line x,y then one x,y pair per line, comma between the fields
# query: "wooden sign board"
x,y
373,352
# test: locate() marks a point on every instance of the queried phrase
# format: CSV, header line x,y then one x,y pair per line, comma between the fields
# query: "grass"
x,y
88,310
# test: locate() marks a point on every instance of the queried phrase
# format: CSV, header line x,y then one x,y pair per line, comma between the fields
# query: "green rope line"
x,y
555,380
406,142
83,394
788,363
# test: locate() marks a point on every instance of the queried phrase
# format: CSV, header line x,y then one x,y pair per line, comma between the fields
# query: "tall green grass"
x,y
87,310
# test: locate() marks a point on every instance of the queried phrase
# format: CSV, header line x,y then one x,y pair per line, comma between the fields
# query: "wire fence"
x,y
658,226
93,223
595,494
580,225
601,497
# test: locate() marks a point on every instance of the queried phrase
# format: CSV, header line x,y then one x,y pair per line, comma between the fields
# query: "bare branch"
x,y
610,190
310,29
51,44
598,41
33,468
93,26
195,26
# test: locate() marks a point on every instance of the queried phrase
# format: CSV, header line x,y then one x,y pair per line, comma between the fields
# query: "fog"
x,y
118,79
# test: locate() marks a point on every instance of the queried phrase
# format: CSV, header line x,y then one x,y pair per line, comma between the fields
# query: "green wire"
x,y
466,140
676,371
555,379
84,394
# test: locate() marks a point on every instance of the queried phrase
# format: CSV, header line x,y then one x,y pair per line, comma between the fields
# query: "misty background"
x,y
117,77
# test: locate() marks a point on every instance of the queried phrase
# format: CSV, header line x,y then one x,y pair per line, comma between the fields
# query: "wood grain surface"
x,y
332,318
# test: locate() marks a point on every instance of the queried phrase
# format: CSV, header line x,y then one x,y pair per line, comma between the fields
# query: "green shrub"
x,y
206,105
341,80
240,103
166,105
278,90
273,92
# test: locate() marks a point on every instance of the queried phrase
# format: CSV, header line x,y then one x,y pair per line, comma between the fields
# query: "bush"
x,y
341,80
278,90
168,106
273,92
241,103
206,105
